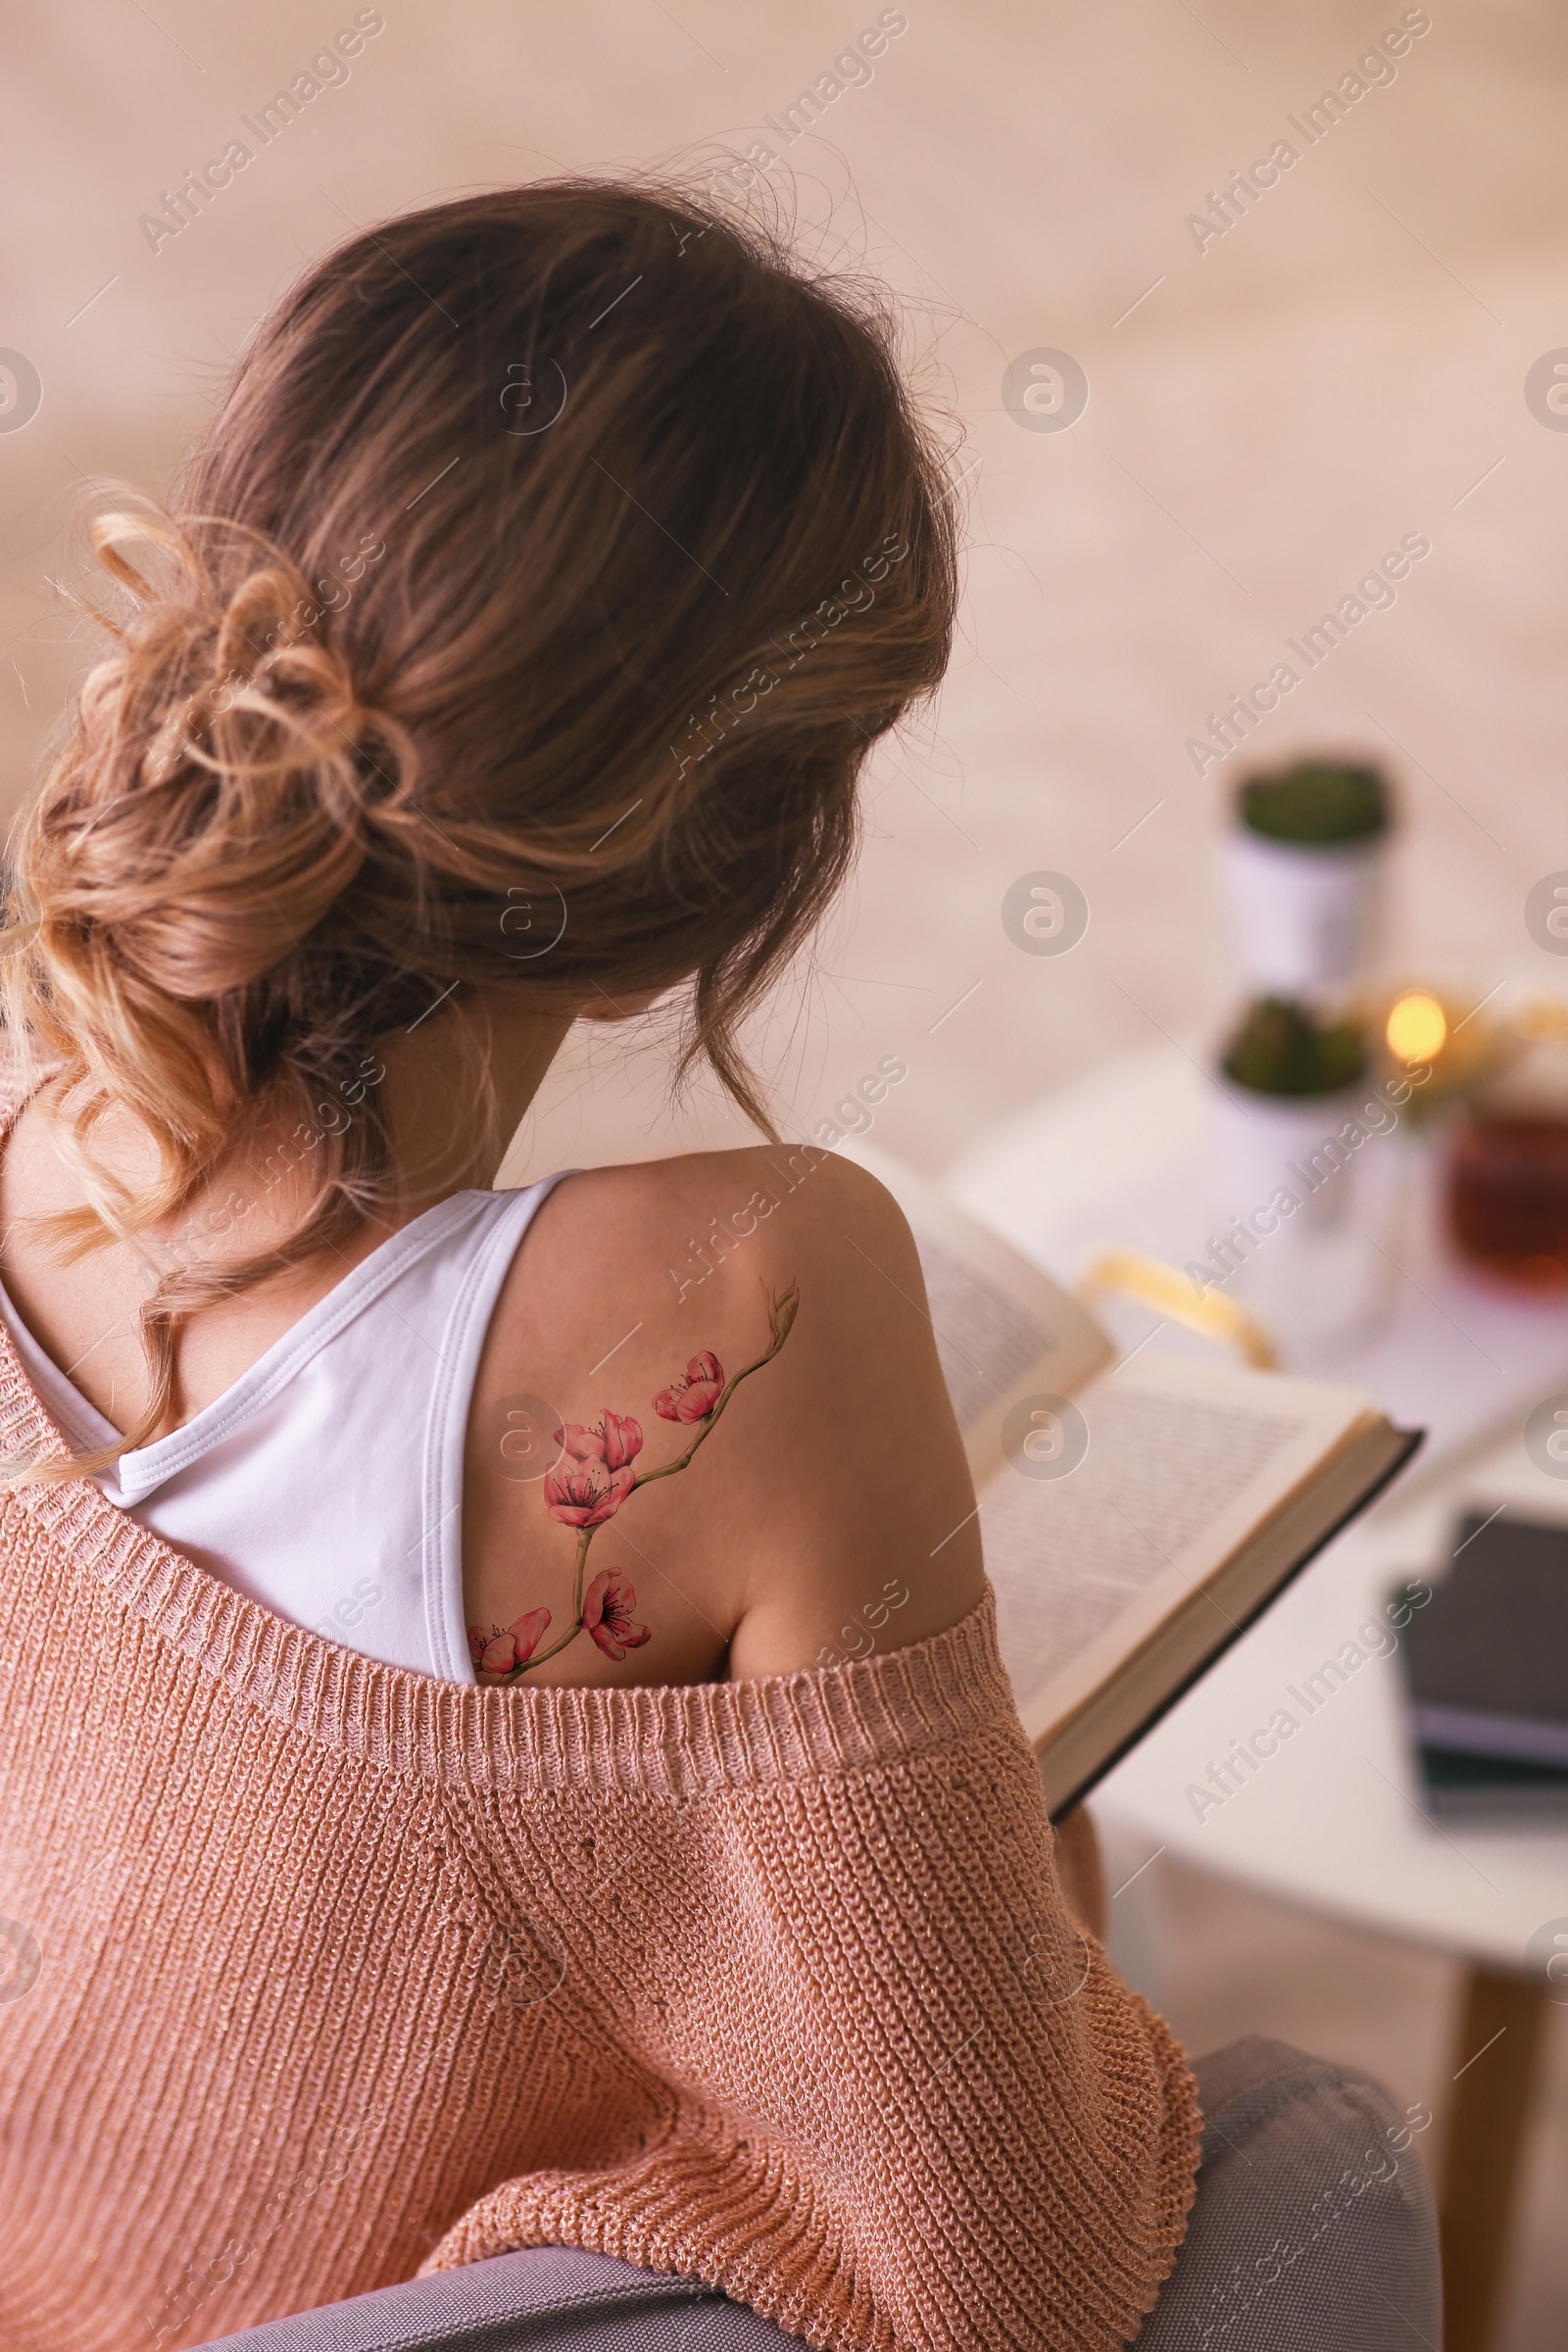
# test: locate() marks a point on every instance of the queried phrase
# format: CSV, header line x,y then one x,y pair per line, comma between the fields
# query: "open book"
x,y
1136,1516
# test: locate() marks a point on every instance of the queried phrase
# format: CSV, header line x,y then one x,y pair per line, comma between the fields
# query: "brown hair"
x,y
551,564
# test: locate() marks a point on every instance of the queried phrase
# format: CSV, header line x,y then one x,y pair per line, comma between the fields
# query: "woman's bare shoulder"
x,y
704,1209
699,1238
758,1318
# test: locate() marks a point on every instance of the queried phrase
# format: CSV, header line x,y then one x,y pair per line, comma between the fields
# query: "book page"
x,y
1184,1460
1003,1330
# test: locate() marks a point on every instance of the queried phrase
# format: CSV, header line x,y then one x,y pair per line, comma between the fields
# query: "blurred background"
x,y
1266,406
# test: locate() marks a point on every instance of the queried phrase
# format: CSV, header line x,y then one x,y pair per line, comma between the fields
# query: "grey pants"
x,y
1314,2231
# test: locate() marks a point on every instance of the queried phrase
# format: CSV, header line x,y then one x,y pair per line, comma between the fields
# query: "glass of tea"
x,y
1507,1195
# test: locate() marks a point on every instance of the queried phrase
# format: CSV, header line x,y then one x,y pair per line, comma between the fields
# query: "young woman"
x,y
438,1816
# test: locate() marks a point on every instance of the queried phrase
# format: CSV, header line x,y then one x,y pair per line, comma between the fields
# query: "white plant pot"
x,y
1308,1214
1307,918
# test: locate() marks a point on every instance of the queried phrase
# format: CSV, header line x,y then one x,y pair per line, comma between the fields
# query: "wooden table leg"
x,y
1499,2025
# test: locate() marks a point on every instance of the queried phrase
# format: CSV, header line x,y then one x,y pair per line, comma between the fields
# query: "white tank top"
x,y
328,1483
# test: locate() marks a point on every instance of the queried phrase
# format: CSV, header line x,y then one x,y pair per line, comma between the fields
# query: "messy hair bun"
x,y
549,565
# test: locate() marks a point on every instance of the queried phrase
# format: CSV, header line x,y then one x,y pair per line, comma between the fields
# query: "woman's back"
x,y
410,1465
328,1970
365,1970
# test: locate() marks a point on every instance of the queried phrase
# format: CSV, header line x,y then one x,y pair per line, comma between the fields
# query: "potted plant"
x,y
1285,1051
1307,1176
1305,858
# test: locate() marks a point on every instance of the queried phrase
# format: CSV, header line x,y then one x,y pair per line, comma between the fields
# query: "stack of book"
x,y
1486,1668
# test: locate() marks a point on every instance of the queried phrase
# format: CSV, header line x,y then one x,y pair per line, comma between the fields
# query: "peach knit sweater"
x,y
314,1972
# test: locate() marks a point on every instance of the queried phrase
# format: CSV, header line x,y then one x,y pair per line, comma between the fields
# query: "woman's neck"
x,y
458,1086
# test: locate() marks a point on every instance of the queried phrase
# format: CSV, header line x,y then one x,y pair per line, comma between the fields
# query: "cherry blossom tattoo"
x,y
591,1481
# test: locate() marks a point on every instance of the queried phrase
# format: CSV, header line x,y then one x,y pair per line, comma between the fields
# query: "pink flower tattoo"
x,y
586,1494
607,1614
613,1440
592,1481
502,1650
693,1393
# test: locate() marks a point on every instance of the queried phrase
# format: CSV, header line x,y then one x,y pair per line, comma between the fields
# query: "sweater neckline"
x,y
668,1740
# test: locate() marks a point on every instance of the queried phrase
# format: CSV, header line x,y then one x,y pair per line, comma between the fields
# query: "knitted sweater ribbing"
x,y
321,1971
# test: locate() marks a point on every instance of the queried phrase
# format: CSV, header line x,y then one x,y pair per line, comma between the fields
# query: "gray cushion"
x,y
1314,2229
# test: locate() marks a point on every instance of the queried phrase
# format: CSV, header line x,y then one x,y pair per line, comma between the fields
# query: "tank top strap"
x,y
327,1482
467,1323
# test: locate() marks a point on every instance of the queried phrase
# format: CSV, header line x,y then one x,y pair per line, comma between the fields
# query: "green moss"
x,y
1281,1050
1318,802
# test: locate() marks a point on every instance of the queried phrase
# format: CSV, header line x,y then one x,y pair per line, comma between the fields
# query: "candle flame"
x,y
1417,1027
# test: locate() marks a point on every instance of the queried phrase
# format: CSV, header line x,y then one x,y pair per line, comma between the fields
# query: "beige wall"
x,y
1337,370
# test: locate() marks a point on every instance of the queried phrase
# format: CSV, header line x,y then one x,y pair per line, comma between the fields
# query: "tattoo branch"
x,y
592,1481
